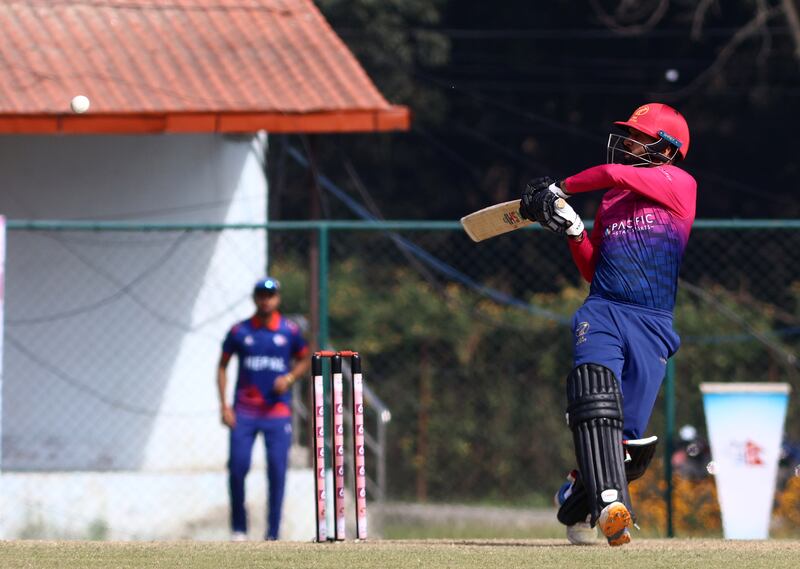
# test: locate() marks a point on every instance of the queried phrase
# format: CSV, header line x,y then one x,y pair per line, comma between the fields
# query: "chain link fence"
x,y
113,332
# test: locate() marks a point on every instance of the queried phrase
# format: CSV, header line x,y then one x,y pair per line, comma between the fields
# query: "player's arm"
x,y
300,366
585,249
545,202
227,413
674,189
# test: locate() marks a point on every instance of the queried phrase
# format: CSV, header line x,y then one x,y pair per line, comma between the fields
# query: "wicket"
x,y
337,408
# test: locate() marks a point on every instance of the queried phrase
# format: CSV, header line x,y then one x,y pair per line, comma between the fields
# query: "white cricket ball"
x,y
79,104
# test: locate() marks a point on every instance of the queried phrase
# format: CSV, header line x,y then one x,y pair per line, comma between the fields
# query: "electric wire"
x,y
505,299
432,261
119,404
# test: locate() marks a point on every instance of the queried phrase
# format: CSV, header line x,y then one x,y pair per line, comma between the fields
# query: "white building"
x,y
109,414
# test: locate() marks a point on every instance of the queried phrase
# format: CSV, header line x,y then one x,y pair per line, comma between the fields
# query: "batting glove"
x,y
527,209
555,187
574,220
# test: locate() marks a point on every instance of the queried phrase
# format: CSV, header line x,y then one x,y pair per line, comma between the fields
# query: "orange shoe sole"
x,y
615,519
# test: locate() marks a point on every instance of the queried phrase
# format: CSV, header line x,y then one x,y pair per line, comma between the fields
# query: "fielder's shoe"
x,y
614,522
581,533
238,536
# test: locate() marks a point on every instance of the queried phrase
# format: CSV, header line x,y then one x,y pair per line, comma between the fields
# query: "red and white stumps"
x,y
337,436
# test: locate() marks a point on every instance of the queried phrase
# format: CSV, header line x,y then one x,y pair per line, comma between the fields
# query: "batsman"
x,y
623,334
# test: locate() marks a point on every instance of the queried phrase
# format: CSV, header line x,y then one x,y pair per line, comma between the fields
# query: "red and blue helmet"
x,y
658,120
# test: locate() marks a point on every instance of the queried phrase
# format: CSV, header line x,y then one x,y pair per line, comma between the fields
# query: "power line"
x,y
752,335
565,34
429,259
94,393
580,132
786,356
122,291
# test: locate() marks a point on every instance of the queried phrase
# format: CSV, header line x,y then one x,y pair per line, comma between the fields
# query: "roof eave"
x,y
395,118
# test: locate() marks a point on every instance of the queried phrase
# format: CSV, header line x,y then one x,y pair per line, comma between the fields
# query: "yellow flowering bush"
x,y
696,508
787,510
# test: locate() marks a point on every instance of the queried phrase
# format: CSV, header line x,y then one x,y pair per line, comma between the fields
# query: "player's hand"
x,y
283,383
557,189
552,212
573,221
228,416
534,187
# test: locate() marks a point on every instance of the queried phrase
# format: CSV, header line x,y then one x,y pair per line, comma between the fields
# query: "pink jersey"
x,y
640,232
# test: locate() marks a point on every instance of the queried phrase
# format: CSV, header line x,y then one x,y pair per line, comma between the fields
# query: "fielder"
x,y
272,356
623,332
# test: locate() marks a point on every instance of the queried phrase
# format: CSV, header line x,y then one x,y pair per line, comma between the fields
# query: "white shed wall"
x,y
124,386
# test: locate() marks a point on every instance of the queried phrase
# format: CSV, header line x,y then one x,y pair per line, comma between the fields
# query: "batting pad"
x,y
638,454
594,413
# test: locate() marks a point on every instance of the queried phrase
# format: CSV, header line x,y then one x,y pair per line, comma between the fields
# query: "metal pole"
x,y
669,412
322,343
324,254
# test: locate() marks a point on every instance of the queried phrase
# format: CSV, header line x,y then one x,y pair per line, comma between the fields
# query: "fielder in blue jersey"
x,y
272,355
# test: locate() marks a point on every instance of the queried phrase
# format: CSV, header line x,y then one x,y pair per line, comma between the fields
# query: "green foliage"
x,y
392,38
98,530
476,388
294,284
460,386
717,348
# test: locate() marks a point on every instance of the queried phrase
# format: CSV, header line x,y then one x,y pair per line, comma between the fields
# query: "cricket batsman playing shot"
x,y
623,332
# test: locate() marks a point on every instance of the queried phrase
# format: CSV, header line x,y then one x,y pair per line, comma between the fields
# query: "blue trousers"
x,y
277,438
632,341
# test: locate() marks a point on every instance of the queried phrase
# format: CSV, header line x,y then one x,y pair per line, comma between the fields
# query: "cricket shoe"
x,y
581,533
238,536
615,521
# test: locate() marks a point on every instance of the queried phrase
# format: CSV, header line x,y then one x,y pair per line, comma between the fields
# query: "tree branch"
x,y
790,10
766,37
744,33
699,17
631,30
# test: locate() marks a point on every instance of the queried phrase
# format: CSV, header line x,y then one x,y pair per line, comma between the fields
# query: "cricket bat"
x,y
496,220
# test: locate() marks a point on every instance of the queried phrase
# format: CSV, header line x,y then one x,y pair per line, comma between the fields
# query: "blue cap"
x,y
267,284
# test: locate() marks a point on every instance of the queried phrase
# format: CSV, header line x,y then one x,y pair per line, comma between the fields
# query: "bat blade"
x,y
494,220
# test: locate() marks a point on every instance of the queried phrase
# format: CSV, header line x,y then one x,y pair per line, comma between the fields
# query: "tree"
x,y
503,93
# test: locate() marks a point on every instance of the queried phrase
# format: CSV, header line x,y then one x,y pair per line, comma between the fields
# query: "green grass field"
x,y
401,554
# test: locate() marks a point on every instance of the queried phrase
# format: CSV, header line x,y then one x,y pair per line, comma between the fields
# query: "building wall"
x,y
111,340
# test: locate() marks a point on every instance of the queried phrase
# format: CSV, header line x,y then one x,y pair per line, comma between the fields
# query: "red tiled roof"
x,y
182,66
